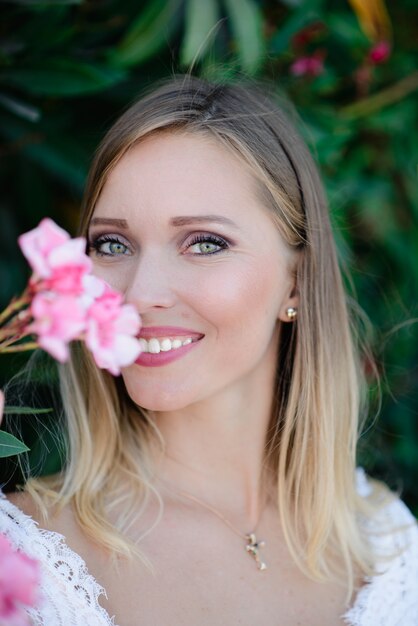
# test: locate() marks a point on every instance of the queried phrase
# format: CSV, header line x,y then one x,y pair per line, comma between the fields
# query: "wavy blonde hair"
x,y
320,392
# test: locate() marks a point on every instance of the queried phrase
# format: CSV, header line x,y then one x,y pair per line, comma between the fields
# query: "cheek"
x,y
115,276
243,303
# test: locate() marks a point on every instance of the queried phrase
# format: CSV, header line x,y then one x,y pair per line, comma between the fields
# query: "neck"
x,y
214,451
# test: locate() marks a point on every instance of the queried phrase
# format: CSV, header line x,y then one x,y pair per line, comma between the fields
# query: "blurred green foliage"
x,y
68,68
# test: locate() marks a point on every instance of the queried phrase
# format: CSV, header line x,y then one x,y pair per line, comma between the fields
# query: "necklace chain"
x,y
211,508
252,544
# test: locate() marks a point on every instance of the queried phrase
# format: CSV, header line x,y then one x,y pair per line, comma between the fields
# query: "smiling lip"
x,y
168,331
163,358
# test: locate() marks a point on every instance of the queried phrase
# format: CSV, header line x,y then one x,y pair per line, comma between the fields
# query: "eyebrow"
x,y
109,221
181,220
185,220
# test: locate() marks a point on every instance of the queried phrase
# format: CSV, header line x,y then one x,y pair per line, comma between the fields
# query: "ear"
x,y
289,304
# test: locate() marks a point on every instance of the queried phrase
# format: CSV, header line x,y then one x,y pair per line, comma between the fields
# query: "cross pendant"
x,y
253,547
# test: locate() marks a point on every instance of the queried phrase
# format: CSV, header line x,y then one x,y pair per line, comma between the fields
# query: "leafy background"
x,y
68,68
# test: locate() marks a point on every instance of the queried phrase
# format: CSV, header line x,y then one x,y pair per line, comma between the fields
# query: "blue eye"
x,y
112,246
108,245
207,244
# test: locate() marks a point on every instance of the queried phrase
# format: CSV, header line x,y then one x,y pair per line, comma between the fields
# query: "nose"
x,y
151,284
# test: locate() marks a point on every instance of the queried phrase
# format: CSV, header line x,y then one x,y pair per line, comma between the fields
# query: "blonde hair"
x,y
320,392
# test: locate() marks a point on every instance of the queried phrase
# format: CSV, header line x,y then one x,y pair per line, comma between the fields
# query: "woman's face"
x,y
179,230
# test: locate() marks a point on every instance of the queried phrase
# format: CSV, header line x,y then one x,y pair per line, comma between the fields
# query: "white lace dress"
x,y
71,595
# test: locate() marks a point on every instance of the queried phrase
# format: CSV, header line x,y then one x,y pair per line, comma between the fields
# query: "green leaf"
x,y
292,4
9,445
20,108
295,22
346,28
149,32
46,3
24,410
201,22
247,26
57,160
62,77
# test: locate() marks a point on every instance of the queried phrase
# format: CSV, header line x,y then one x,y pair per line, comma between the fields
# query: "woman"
x,y
215,481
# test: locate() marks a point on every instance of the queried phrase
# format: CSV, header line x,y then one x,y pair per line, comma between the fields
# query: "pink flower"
x,y
19,579
58,319
68,264
308,66
307,34
380,52
111,332
66,302
39,242
60,262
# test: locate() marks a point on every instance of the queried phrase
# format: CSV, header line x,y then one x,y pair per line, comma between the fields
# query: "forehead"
x,y
199,155
180,174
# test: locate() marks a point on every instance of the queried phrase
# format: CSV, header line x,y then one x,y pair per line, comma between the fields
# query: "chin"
x,y
158,405
156,399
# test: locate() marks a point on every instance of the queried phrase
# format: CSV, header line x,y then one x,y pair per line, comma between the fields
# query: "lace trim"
x,y
69,594
391,597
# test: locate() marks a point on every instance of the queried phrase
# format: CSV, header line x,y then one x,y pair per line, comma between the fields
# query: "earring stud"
x,y
291,313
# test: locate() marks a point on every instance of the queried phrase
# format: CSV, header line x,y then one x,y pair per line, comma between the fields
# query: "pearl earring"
x,y
291,313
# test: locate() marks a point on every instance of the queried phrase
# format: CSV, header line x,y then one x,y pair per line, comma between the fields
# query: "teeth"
x,y
144,345
155,346
165,345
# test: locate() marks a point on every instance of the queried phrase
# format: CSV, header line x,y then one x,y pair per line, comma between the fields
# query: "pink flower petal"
x,y
128,322
68,264
55,347
126,350
38,243
19,580
58,319
72,252
308,66
93,286
111,331
380,52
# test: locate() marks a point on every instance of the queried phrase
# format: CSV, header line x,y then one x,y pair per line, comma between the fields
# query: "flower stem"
x,y
382,99
13,307
30,345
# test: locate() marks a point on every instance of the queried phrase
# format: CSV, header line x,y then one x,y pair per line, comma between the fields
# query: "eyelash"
x,y
97,242
218,241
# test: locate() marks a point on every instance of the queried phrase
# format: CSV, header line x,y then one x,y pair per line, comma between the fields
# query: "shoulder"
x,y
392,525
21,518
390,597
70,594
20,501
21,505
16,521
